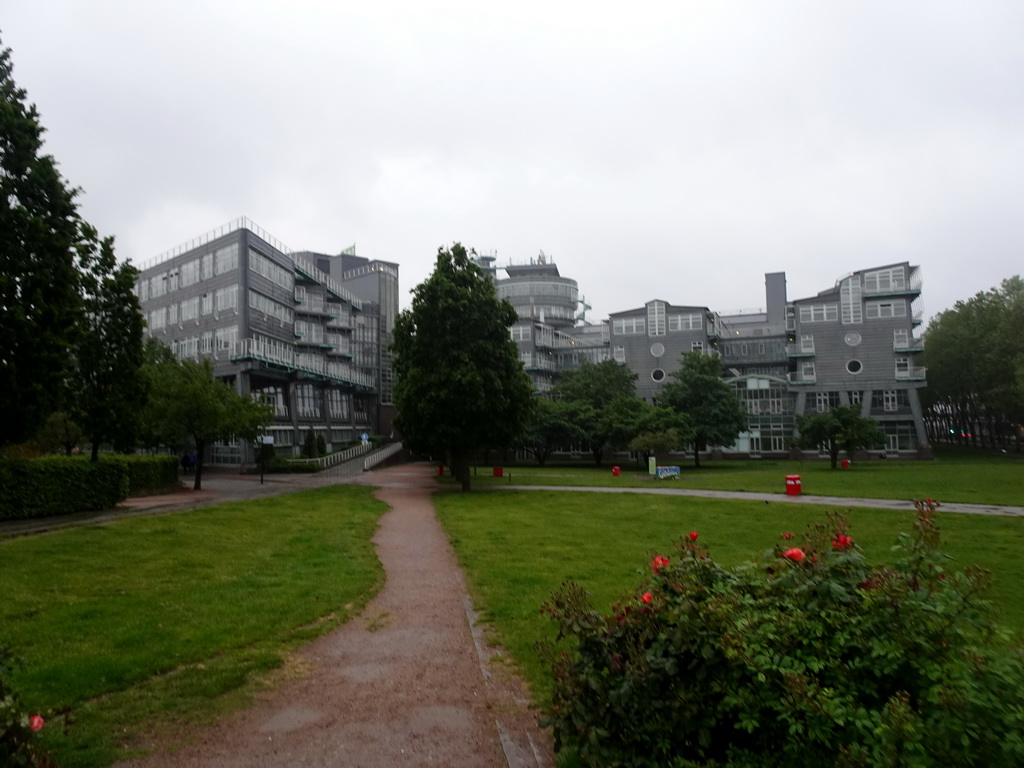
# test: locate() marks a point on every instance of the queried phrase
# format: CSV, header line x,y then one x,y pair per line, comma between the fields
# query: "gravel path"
x,y
409,682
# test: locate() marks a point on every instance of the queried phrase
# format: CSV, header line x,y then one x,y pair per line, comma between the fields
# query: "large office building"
x,y
851,344
308,332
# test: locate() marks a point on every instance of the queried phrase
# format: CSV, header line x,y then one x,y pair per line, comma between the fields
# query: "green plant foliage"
x,y
146,474
18,727
840,429
806,657
603,396
57,485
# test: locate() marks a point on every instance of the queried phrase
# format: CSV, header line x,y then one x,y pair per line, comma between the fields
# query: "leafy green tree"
x,y
661,431
58,433
698,391
43,244
188,404
110,391
650,444
552,425
460,384
840,429
598,386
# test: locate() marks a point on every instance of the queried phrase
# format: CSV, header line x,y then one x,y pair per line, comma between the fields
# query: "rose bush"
x,y
18,743
807,657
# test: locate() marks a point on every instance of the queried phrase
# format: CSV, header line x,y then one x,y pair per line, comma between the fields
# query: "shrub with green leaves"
x,y
18,727
806,657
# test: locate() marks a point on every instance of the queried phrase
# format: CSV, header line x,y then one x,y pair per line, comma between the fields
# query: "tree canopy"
x,y
698,391
975,360
43,246
188,404
460,385
840,429
603,393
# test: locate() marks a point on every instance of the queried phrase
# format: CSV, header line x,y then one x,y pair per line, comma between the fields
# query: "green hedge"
x,y
58,485
147,474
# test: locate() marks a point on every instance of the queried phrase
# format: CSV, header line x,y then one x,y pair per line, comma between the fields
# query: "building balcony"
x,y
911,345
797,378
800,350
914,373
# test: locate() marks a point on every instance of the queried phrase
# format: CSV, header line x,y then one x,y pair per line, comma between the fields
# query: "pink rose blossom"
x,y
36,722
795,554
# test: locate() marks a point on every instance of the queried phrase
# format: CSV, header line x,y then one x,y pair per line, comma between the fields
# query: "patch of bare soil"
x,y
410,682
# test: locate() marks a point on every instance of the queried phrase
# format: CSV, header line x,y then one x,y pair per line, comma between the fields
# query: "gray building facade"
x,y
275,324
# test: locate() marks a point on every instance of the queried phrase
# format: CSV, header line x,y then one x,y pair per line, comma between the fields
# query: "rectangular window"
x,y
226,337
520,332
819,313
850,297
207,307
619,355
807,344
172,313
885,280
880,309
190,309
807,372
656,318
900,338
157,318
697,346
628,326
855,398
158,285
689,322
142,290
902,367
890,401
226,259
226,298
190,273
207,266
271,270
206,343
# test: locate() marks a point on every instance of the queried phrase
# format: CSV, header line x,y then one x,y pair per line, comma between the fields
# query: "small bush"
x,y
321,445
18,727
807,657
58,485
309,446
278,464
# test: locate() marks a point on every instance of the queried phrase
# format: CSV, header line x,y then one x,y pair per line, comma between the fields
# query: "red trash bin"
x,y
499,471
844,463
615,471
440,470
793,486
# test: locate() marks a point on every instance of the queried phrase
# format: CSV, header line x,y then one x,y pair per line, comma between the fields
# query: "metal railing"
x,y
323,462
378,456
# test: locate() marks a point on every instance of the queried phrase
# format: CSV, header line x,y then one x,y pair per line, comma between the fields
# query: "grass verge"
x,y
143,625
972,479
518,546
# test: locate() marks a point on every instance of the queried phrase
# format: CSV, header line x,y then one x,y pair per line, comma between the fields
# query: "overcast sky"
x,y
672,150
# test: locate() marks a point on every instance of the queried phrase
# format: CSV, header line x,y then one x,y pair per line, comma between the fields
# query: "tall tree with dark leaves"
x,y
42,248
109,387
698,391
460,384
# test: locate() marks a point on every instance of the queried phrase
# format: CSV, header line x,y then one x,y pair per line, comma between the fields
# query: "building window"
x,y
190,273
206,270
697,346
190,309
226,259
879,309
855,397
657,375
902,367
226,337
206,343
850,299
656,318
207,308
825,401
854,367
157,318
172,313
890,401
807,372
852,339
885,280
226,298
900,338
689,322
269,269
807,344
819,313
629,326
619,355
520,332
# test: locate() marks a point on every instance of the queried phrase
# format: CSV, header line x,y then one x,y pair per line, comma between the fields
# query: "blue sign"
x,y
663,472
364,437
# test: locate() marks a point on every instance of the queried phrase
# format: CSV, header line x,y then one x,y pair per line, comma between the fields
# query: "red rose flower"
x,y
36,722
795,554
693,536
658,563
787,535
647,599
842,542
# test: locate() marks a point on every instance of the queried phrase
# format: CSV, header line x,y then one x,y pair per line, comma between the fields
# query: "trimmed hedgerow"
x,y
57,485
147,474
807,657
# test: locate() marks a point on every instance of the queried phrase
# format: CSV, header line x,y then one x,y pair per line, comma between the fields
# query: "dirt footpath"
x,y
409,682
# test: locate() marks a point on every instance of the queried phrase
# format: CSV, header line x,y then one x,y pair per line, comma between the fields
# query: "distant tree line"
x,y
975,358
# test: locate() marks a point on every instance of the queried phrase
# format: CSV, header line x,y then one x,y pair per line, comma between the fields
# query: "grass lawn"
x,y
518,546
151,620
953,476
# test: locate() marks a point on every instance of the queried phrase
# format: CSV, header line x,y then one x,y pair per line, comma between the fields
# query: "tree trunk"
x,y
460,468
95,455
696,457
198,466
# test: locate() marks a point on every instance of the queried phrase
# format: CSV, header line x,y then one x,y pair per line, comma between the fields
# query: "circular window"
x,y
657,349
852,339
854,366
658,375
